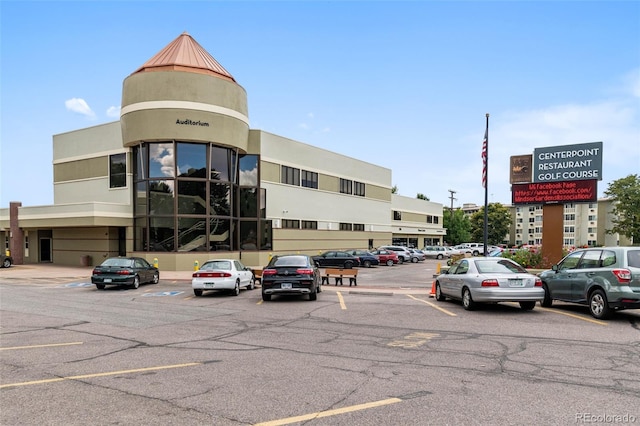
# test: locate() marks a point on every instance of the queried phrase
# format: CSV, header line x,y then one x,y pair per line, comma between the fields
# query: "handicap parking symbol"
x,y
164,293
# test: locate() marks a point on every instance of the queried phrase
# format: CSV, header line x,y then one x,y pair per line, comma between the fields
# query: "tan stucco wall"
x,y
153,102
269,171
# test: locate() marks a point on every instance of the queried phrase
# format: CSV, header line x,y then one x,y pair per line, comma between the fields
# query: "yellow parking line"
x,y
51,345
433,306
328,413
555,311
260,302
88,376
341,299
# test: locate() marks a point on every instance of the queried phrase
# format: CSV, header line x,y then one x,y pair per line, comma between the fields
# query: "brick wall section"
x,y
16,239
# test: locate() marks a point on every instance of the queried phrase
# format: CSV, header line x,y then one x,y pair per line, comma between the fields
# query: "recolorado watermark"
x,y
583,418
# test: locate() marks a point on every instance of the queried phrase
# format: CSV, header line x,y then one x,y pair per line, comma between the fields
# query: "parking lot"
x,y
383,353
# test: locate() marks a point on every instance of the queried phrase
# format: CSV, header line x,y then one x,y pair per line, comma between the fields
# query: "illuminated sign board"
x,y
520,168
568,163
578,191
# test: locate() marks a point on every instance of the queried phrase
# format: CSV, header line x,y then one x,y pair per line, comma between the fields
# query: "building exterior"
x,y
584,224
182,177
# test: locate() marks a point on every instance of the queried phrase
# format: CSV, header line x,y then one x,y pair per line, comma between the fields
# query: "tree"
x,y
394,189
457,225
421,196
625,195
499,222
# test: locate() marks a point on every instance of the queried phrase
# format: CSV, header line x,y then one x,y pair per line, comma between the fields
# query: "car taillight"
x,y
538,283
124,272
490,283
304,271
268,272
201,274
622,275
96,272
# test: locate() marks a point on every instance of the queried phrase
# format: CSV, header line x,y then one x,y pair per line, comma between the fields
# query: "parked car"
x,y
336,259
222,274
436,252
386,257
488,279
5,261
291,274
366,258
417,255
606,279
451,251
402,252
124,271
463,249
476,248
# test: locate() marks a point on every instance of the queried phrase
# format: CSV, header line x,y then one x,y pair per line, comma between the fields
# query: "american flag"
x,y
484,158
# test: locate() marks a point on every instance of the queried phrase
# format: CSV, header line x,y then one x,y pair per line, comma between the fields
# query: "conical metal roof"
x,y
185,54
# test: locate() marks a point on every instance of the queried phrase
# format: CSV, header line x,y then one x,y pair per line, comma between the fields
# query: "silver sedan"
x,y
489,279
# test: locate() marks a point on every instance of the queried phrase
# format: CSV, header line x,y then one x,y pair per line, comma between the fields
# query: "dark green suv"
x,y
604,278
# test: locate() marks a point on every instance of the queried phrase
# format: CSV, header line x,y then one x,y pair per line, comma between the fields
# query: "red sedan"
x,y
386,257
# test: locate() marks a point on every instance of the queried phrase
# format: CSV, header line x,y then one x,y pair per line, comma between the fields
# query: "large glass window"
x,y
220,164
346,186
191,196
118,170
161,197
192,234
192,160
161,160
309,179
248,165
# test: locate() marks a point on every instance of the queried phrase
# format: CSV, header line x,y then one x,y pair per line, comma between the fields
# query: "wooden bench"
x,y
338,274
257,276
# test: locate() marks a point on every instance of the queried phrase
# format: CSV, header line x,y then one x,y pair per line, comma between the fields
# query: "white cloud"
x,y
113,111
80,106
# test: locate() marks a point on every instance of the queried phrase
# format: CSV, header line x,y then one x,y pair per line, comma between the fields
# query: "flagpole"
x,y
486,188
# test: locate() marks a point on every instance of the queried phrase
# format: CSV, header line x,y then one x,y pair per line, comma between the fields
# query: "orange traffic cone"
x,y
433,289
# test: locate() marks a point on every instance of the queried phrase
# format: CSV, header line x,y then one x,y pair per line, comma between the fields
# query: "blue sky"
x,y
404,85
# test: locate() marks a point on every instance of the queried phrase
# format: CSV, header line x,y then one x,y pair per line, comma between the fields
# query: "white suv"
x,y
404,255
476,248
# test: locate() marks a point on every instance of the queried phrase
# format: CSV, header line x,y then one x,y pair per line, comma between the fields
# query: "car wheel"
x,y
547,301
313,295
366,264
414,260
467,301
197,292
439,257
389,262
400,260
266,297
136,282
439,296
348,265
598,305
252,284
527,306
100,286
156,277
236,289
476,253
6,263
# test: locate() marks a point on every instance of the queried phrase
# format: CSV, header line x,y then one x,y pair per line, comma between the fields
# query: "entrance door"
x,y
45,250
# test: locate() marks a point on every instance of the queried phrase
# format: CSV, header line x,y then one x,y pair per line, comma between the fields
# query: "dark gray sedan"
x,y
124,271
489,280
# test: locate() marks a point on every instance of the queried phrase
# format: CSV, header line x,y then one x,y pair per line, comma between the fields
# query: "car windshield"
x,y
123,263
224,265
498,267
298,261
